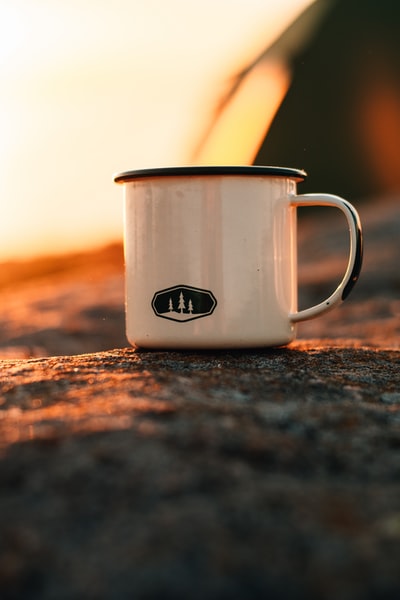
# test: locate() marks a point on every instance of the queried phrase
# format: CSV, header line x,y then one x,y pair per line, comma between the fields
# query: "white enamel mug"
x,y
211,256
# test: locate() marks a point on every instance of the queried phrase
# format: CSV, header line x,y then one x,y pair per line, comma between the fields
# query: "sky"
x,y
89,88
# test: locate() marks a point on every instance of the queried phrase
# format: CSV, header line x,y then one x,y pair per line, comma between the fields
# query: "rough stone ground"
x,y
231,475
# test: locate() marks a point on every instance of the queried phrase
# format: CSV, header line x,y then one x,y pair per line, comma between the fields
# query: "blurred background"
x,y
93,87
89,88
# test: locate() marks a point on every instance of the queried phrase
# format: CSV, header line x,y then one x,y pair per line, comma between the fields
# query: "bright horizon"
x,y
90,88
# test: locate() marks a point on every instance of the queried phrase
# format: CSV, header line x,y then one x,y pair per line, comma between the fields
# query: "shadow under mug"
x,y
211,256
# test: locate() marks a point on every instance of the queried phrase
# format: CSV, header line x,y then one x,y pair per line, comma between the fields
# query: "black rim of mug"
x,y
253,170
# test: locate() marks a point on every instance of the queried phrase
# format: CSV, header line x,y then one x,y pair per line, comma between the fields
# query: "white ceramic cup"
x,y
211,256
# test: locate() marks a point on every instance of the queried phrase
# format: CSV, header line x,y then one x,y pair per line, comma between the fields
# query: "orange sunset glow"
x,y
89,88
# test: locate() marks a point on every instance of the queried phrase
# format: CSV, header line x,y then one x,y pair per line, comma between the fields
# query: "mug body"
x,y
210,257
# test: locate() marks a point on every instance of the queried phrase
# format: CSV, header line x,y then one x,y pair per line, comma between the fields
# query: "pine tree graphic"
x,y
181,305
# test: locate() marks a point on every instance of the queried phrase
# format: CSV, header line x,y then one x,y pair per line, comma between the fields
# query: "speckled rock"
x,y
163,475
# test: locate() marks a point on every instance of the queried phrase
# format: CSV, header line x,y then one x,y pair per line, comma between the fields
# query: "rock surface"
x,y
222,475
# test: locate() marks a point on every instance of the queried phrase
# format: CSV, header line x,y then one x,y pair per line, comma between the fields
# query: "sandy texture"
x,y
261,474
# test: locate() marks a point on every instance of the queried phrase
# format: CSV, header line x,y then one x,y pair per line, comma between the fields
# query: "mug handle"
x,y
355,256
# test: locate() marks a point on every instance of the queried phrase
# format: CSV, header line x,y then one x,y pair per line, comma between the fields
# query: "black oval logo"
x,y
183,303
